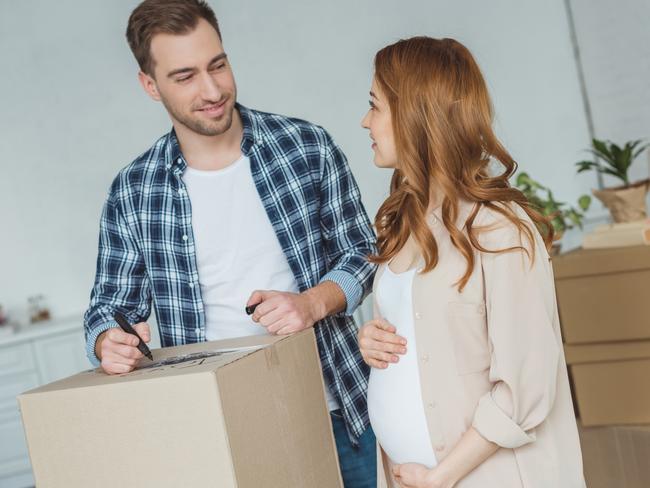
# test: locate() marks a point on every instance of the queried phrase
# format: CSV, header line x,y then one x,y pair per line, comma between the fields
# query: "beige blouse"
x,y
491,357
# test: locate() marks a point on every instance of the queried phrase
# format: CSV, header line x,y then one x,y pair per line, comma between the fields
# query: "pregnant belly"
x,y
397,414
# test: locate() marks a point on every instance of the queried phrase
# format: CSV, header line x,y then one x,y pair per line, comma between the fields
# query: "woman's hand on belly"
x,y
379,344
413,475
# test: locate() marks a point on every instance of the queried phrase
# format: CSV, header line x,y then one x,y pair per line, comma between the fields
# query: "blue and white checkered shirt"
x,y
146,245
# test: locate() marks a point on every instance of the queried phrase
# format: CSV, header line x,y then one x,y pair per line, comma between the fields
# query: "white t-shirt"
x,y
394,396
237,250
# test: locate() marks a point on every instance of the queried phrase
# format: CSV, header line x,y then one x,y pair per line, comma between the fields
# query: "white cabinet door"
x,y
15,470
13,447
60,356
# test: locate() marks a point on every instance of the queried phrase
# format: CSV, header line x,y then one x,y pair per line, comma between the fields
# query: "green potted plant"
x,y
626,202
563,217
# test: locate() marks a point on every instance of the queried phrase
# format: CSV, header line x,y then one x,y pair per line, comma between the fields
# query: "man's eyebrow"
x,y
179,71
218,57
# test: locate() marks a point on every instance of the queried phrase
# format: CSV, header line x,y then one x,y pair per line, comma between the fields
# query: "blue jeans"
x,y
358,464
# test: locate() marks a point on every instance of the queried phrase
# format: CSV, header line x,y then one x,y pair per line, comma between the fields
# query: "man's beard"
x,y
202,126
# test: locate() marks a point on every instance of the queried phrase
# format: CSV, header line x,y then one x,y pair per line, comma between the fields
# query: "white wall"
x,y
73,113
615,51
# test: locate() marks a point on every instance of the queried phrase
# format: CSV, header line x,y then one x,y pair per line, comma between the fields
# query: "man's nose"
x,y
209,88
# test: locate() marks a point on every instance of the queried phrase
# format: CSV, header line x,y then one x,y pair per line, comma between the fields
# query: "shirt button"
x,y
418,315
197,331
181,191
191,284
168,166
431,404
179,160
425,357
185,237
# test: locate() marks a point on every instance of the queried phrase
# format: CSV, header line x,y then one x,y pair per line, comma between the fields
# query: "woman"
x,y
468,385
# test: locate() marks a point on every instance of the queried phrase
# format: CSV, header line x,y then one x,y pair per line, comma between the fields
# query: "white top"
x,y
394,397
237,250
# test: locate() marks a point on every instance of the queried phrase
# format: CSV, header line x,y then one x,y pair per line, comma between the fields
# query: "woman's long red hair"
x,y
442,124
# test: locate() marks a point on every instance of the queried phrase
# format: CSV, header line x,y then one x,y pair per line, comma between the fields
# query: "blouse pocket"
x,y
468,331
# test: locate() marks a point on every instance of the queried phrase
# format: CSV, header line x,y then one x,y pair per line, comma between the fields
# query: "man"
x,y
232,208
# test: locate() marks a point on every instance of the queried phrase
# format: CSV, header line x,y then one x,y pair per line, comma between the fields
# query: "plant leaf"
x,y
586,166
584,202
614,173
639,151
601,149
608,159
574,217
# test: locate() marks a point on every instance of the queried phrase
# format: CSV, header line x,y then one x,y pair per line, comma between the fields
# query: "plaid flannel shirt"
x,y
146,244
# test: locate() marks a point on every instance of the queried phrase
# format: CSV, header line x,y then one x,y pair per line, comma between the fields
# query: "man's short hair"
x,y
153,17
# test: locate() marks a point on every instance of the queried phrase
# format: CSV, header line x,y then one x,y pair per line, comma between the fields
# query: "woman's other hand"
x,y
379,343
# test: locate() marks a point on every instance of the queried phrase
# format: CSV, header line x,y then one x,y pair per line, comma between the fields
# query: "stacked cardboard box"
x,y
616,457
604,303
241,413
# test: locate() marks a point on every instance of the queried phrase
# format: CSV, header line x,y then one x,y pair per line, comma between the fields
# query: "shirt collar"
x,y
252,131
174,160
173,157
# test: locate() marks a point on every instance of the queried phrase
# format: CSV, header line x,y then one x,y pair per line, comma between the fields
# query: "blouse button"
x,y
418,315
425,357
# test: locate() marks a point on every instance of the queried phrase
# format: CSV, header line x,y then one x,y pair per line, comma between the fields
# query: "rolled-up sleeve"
x,y
348,237
121,282
525,347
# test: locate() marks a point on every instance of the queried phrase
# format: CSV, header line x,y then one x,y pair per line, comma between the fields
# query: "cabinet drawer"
x,y
16,358
60,356
13,385
13,446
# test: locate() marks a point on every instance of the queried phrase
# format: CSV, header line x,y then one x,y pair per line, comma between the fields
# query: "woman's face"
x,y
378,121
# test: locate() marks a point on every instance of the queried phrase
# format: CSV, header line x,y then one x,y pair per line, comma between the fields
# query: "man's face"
x,y
193,79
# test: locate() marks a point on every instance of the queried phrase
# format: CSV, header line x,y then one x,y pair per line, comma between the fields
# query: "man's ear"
x,y
149,85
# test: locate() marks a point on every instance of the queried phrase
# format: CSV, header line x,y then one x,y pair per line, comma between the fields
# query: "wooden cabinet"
x,y
33,356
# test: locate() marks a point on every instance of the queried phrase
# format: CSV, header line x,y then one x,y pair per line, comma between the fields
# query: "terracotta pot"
x,y
625,204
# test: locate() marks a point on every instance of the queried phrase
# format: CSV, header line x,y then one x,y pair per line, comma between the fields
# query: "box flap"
x,y
614,351
171,361
588,262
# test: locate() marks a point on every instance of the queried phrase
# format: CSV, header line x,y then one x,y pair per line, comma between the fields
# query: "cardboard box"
x,y
610,382
603,294
201,416
616,456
